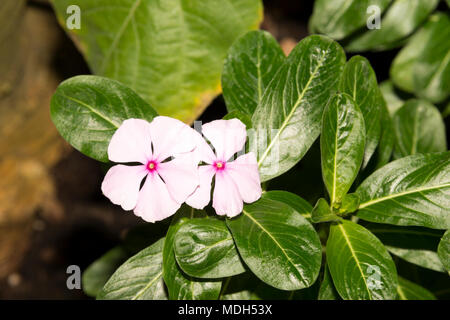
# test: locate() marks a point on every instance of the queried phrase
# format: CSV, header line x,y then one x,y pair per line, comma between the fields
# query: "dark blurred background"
x,y
52,212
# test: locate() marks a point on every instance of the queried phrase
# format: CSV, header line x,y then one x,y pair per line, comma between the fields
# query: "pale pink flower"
x,y
168,181
235,181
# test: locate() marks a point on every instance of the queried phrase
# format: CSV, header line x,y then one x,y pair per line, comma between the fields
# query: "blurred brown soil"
x,y
51,212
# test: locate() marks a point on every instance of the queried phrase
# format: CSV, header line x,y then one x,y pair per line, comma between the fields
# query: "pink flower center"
x,y
219,165
152,165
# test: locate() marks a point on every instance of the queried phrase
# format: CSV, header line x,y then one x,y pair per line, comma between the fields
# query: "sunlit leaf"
x,y
170,53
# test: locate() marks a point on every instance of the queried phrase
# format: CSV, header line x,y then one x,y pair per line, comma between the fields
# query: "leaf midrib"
x,y
277,243
141,292
371,202
296,105
352,251
112,122
119,34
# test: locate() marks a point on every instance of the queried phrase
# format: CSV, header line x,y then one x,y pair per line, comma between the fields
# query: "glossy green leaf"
x,y
400,19
204,248
340,18
251,64
98,273
87,110
288,119
412,191
360,266
171,53
360,82
139,278
413,244
444,250
422,67
419,128
278,245
322,212
294,201
342,145
349,204
327,290
180,285
408,290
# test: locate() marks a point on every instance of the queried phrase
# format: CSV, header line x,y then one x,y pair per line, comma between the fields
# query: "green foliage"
x,y
413,244
322,212
87,110
360,82
278,244
271,251
98,273
444,250
288,119
340,18
408,290
139,278
359,264
342,145
412,191
251,63
171,54
204,248
418,128
400,20
180,285
423,65
327,290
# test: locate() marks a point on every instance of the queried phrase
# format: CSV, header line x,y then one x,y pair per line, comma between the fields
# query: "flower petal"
x,y
121,185
204,151
244,172
226,136
226,198
171,137
180,176
154,202
131,142
200,198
